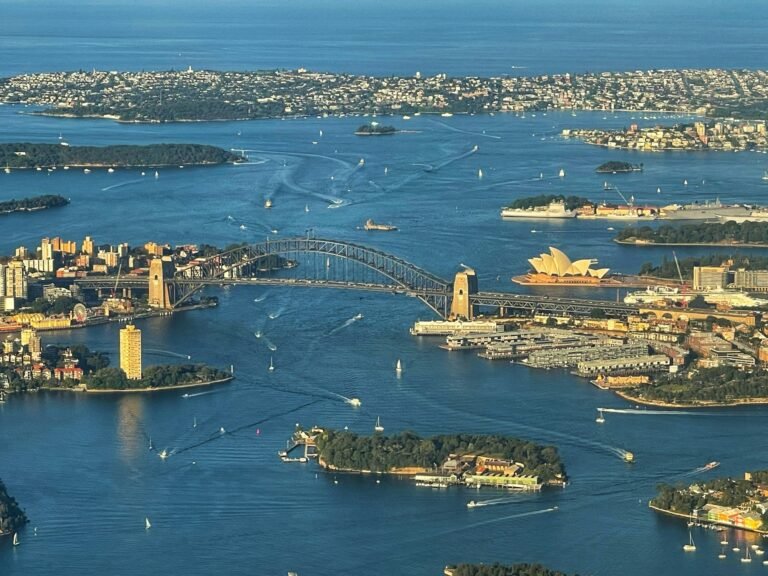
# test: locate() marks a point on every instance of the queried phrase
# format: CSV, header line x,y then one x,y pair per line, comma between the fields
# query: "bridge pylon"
x,y
464,285
161,287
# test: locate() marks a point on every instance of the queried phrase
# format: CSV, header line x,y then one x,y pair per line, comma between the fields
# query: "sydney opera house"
x,y
557,268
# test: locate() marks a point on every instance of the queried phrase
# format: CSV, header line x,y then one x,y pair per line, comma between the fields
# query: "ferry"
x,y
555,209
711,465
371,225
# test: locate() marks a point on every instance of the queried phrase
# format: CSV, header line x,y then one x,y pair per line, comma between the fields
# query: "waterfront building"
x,y
709,277
46,249
130,352
754,280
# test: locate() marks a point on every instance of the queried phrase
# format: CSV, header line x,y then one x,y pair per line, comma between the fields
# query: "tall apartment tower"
x,y
130,352
88,246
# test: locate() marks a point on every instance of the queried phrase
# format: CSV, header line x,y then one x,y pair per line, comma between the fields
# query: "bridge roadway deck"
x,y
509,300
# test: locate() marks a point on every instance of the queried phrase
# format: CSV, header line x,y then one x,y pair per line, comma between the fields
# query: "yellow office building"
x,y
130,352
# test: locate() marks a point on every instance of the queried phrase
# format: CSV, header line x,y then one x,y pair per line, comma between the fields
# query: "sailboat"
x,y
306,207
765,174
147,524
157,174
562,173
399,366
600,418
746,557
271,365
480,173
194,422
150,443
16,541
722,554
685,182
690,547
378,427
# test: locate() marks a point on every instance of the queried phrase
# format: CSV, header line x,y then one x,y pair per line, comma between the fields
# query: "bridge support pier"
x,y
160,288
464,285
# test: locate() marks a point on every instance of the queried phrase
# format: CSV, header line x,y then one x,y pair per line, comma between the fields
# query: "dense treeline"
x,y
177,110
380,453
33,203
155,377
571,202
730,492
615,166
723,385
34,155
374,130
11,516
702,233
502,570
668,269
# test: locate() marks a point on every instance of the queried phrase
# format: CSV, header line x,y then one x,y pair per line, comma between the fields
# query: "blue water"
x,y
81,466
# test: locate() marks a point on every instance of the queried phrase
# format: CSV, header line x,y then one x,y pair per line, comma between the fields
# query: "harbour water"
x,y
224,502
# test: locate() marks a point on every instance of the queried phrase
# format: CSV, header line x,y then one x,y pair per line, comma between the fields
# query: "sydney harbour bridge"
x,y
322,263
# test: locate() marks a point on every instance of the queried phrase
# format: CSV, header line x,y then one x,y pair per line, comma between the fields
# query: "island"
x,y
155,378
457,459
703,388
497,569
734,502
12,517
209,95
374,129
30,155
615,167
33,203
543,200
745,234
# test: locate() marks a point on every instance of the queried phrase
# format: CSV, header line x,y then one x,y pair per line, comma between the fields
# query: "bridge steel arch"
x,y
405,277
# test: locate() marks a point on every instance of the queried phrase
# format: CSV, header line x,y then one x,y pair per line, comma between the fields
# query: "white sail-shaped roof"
x,y
556,263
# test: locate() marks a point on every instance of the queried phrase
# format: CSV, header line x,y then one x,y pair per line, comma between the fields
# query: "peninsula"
x,y
200,95
734,502
155,378
29,155
32,204
744,234
703,388
497,569
469,459
12,517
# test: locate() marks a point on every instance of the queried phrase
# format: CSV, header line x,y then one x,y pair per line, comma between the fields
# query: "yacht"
x,y
711,465
561,173
271,365
147,524
378,427
399,366
746,556
629,457
690,547
358,316
765,174
110,170
163,454
354,402
480,173
471,504
722,554
157,174
16,539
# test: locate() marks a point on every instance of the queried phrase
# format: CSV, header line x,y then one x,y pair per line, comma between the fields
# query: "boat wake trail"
x,y
345,324
496,502
443,164
650,412
196,394
260,298
218,434
121,184
158,352
454,129
502,519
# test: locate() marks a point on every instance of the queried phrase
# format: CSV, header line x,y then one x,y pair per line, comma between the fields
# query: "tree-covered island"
x,y
703,388
471,459
29,155
724,501
497,569
701,234
374,129
616,167
33,203
12,517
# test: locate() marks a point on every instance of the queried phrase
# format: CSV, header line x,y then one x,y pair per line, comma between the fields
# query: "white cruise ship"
x,y
655,295
555,209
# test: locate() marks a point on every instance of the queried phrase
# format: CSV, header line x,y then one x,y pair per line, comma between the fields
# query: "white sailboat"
x,y
16,541
746,557
157,174
562,173
271,365
399,366
690,547
150,443
147,524
600,418
378,427
722,554
306,207
480,173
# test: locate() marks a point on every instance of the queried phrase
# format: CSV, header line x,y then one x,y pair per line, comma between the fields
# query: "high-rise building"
x,y
130,352
46,249
15,279
709,277
88,246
